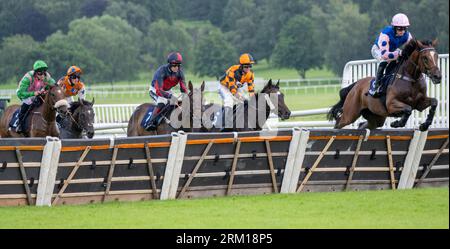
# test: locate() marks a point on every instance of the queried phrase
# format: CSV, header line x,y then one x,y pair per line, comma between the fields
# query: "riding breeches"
x,y
227,96
158,99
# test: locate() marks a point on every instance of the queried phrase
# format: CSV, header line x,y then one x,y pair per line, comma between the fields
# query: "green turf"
x,y
418,208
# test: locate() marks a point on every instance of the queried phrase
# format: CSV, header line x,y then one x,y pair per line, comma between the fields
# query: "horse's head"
x,y
426,59
196,94
283,110
55,98
84,115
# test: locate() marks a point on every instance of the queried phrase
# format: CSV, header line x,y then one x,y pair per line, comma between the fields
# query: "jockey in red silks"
x,y
166,77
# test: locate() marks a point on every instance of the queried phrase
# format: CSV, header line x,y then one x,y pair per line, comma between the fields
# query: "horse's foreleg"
x,y
399,109
424,105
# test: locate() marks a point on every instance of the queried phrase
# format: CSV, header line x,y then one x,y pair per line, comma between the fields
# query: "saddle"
x,y
386,80
14,122
166,111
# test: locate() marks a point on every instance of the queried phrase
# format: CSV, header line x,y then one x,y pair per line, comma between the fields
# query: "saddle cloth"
x,y
147,117
385,82
14,122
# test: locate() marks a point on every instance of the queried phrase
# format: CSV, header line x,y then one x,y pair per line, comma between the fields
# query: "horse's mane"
x,y
412,45
427,42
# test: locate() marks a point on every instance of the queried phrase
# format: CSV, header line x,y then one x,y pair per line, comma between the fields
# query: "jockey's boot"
x,y
23,113
152,124
377,84
227,124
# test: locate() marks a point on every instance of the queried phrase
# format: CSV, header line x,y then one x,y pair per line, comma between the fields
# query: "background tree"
x,y
166,10
93,8
60,52
163,38
213,55
59,12
347,28
111,40
17,55
135,14
297,46
143,32
235,10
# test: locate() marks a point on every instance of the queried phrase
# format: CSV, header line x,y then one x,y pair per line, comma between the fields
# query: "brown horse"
x,y
134,124
406,93
79,119
41,119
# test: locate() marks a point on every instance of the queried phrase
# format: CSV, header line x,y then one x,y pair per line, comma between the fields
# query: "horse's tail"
x,y
335,110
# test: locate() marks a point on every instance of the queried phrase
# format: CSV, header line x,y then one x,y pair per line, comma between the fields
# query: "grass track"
x,y
418,208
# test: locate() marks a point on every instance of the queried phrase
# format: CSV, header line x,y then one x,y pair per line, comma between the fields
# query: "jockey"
x,y
232,82
72,85
32,84
387,46
166,77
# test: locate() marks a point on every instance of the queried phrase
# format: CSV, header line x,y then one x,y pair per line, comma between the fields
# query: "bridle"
x,y
417,67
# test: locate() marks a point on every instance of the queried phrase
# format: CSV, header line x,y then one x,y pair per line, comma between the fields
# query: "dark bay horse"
x,y
41,120
134,124
408,92
277,106
79,119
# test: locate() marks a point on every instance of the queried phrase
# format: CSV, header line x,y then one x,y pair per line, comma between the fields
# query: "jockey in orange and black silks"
x,y
234,79
165,78
232,84
72,85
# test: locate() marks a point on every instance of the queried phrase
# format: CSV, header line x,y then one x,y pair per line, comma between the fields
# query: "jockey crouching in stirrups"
x,y
72,85
387,47
32,85
165,78
231,86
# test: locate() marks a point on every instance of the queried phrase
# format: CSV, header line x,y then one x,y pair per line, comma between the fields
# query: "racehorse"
x,y
406,93
41,119
80,118
134,124
280,109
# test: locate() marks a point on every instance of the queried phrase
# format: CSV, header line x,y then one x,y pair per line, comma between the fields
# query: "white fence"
x,y
355,70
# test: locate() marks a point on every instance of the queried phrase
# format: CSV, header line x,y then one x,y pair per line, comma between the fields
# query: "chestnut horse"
x,y
41,120
134,124
407,92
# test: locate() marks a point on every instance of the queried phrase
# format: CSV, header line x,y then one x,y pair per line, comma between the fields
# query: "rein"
x,y
416,67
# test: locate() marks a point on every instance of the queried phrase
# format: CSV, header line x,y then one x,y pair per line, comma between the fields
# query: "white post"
x,y
165,189
294,161
412,161
288,169
179,158
48,169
